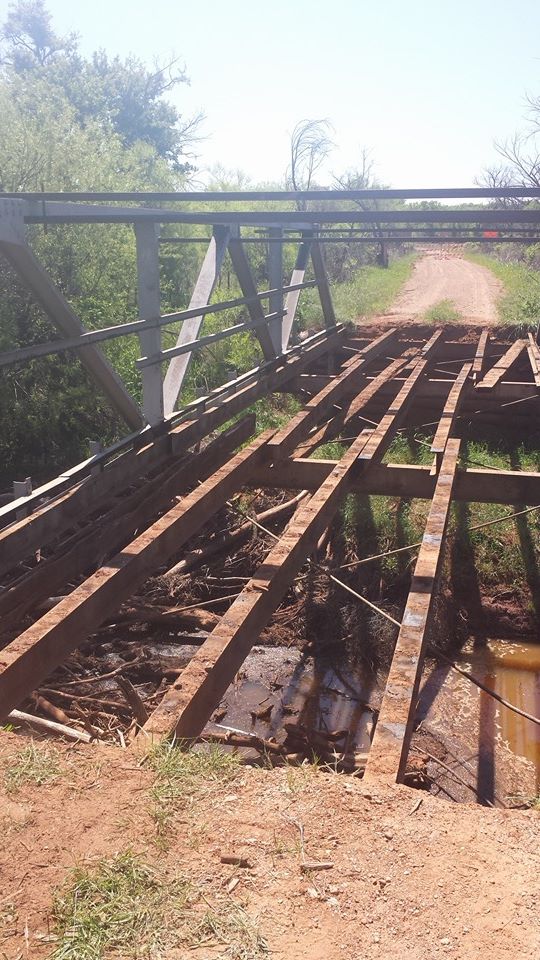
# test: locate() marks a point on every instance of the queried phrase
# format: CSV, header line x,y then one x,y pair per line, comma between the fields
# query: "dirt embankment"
x,y
443,274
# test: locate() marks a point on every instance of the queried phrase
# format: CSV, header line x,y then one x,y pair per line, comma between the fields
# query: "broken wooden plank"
x,y
495,374
188,704
30,658
451,407
388,754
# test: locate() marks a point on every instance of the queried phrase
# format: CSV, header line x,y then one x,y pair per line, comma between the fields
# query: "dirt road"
x,y
443,274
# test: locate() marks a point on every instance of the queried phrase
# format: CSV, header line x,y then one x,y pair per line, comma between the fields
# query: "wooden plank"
x,y
291,300
204,288
26,661
323,401
406,480
242,269
534,356
451,407
189,702
479,360
388,754
89,547
496,373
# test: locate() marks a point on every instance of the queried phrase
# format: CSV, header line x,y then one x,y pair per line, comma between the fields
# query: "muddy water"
x,y
500,749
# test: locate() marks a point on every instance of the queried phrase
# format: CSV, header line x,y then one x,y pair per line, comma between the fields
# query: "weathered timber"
x,y
451,407
499,369
534,356
479,359
388,755
188,704
36,652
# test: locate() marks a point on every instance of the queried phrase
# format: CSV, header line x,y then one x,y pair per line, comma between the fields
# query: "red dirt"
x,y
413,877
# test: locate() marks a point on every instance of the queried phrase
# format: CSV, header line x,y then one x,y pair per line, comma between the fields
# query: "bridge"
x,y
74,549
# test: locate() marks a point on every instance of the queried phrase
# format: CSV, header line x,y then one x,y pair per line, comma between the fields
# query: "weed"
x,y
123,907
519,305
33,764
182,775
443,312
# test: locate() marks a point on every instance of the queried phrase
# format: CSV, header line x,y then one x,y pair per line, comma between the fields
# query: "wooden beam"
x,y
479,360
406,480
242,269
90,546
388,754
534,356
189,702
323,401
204,288
502,366
451,407
30,658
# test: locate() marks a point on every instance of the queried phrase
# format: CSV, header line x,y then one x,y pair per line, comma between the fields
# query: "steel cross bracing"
x,y
152,497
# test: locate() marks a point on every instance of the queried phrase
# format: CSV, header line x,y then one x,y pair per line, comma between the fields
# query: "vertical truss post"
x,y
321,277
275,281
247,284
204,288
148,291
297,276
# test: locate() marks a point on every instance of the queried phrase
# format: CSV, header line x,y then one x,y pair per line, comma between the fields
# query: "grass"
x,y
519,305
371,292
34,764
123,907
183,776
444,311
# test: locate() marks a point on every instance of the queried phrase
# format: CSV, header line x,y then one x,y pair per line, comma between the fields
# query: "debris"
x,y
235,861
310,866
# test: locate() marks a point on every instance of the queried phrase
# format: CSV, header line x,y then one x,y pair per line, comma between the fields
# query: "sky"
x,y
425,85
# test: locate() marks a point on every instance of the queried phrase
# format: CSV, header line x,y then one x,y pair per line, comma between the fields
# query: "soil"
x,y
443,274
411,876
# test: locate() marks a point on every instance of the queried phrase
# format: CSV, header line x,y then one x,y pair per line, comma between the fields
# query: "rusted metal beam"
x,y
188,704
291,300
388,754
26,661
502,366
323,286
242,269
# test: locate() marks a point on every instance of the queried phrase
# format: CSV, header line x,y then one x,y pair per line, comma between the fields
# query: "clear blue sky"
x,y
426,85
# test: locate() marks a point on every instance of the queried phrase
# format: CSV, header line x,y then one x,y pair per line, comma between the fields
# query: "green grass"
x,y
443,312
123,907
371,292
183,776
519,305
34,764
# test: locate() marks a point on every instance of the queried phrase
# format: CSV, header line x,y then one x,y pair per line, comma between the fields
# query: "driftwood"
x,y
245,740
41,703
197,558
17,716
139,710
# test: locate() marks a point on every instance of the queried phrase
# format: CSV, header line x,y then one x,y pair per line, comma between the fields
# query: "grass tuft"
x,y
445,311
122,907
34,764
185,775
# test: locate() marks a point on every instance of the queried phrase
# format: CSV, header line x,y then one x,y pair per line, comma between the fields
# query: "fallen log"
x,y
18,716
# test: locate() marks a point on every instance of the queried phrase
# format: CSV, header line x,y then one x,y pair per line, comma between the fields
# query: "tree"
x,y
123,96
310,146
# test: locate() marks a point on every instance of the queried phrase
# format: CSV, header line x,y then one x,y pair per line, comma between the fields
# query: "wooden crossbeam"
x,y
451,407
406,480
496,373
479,360
26,661
534,356
323,401
188,704
388,754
